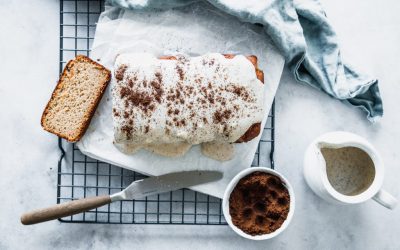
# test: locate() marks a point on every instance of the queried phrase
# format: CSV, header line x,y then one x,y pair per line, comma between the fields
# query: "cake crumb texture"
x,y
75,98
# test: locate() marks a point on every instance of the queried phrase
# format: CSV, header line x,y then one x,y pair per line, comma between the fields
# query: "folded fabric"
x,y
302,32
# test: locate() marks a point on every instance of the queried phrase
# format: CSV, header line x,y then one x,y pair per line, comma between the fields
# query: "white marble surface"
x,y
369,31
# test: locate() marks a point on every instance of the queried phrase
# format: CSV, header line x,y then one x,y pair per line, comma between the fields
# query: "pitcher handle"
x,y
385,199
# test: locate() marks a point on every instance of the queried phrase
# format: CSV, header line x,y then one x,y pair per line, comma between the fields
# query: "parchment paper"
x,y
192,30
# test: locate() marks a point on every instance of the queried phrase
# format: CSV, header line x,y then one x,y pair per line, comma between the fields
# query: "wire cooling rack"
x,y
80,176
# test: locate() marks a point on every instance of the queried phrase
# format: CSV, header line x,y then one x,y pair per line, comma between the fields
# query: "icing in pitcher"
x,y
345,168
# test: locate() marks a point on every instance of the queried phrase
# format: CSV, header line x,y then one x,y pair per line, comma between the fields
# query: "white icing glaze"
x,y
170,149
127,148
220,151
200,99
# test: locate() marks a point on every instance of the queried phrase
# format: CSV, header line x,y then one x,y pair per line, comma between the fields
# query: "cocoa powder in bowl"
x,y
259,204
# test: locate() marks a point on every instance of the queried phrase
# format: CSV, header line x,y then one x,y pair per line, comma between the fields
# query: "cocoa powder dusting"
x,y
130,83
211,99
158,90
180,72
158,76
155,85
115,112
136,98
128,131
178,93
259,204
240,91
221,116
119,73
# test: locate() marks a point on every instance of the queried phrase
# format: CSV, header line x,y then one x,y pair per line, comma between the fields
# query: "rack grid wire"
x,y
80,176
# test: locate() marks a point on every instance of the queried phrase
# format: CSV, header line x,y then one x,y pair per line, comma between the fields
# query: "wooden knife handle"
x,y
64,209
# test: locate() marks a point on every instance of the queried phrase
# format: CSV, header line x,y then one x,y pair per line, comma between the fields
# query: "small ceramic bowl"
x,y
232,185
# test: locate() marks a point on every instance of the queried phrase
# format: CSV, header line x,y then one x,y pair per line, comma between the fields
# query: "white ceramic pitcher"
x,y
316,175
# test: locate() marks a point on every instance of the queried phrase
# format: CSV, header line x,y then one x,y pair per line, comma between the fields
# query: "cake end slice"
x,y
75,98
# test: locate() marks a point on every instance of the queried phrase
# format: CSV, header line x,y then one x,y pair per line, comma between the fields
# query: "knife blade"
x,y
165,183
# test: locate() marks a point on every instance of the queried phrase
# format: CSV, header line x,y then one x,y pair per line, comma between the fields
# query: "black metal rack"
x,y
81,176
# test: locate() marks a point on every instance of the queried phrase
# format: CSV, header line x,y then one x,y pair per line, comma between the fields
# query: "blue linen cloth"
x,y
302,32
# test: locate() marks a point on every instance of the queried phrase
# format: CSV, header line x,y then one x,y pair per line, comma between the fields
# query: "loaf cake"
x,y
75,98
168,104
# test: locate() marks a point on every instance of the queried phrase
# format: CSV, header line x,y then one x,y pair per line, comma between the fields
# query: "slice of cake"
x,y
75,98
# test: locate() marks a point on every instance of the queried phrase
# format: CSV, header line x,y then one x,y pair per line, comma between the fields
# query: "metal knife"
x,y
137,189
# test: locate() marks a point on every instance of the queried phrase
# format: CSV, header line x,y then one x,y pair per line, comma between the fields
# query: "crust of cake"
x,y
57,100
254,129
